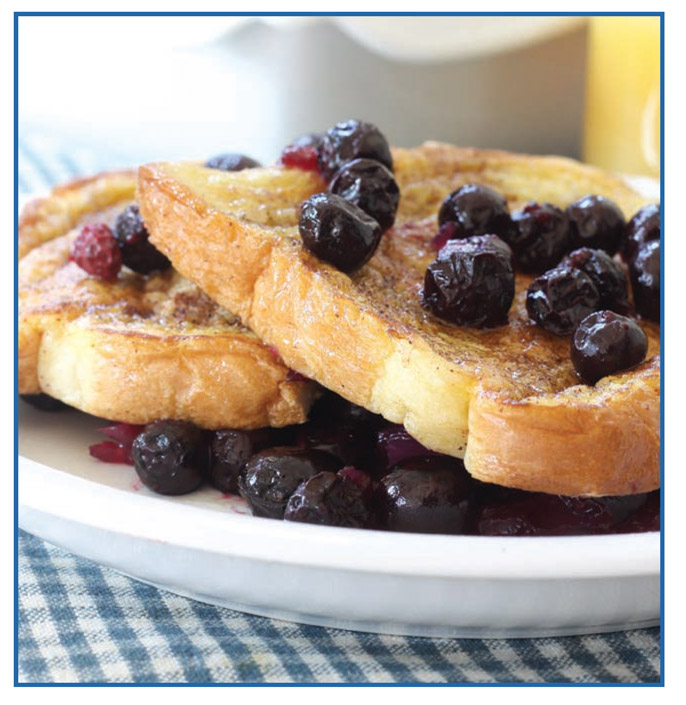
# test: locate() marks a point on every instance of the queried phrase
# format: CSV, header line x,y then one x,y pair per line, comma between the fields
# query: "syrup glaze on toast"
x,y
140,348
507,399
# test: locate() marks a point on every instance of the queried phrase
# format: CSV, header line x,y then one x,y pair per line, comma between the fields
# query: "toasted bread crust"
x,y
506,399
141,348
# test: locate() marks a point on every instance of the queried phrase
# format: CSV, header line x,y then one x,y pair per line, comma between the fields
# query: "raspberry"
x,y
300,157
96,251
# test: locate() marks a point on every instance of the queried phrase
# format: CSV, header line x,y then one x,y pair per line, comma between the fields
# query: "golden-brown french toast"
x,y
142,347
506,399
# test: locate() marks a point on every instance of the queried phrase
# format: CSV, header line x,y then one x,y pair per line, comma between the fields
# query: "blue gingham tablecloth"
x,y
81,623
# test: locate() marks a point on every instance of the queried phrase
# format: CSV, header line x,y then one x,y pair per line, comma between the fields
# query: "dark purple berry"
x,y
338,232
171,457
645,518
426,495
596,222
231,162
540,237
605,343
643,227
395,444
476,210
331,499
609,278
271,476
350,140
137,252
352,444
471,282
538,514
43,402
371,186
645,280
230,450
559,299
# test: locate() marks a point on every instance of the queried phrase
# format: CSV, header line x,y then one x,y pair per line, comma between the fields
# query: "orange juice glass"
x,y
622,119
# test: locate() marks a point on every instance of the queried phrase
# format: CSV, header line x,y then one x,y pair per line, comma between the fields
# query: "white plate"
x,y
208,547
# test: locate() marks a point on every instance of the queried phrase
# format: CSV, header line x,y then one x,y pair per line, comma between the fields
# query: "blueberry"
x,y
540,237
351,443
596,222
171,457
476,210
560,298
426,495
643,227
338,232
271,476
609,278
137,252
331,499
538,514
371,186
605,343
350,140
231,162
645,280
471,282
230,450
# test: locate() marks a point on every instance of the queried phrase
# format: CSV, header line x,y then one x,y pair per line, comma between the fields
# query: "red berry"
x,y
118,450
96,251
300,157
110,452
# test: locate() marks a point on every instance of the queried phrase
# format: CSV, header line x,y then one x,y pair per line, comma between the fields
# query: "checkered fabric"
x,y
78,622
82,623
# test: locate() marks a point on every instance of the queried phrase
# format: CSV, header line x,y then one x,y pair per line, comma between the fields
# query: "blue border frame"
x,y
17,15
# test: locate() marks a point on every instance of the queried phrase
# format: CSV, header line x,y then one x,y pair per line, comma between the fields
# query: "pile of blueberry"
x,y
343,226
349,467
580,289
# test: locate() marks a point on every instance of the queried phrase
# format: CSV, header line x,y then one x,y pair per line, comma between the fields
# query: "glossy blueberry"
x,y
350,140
171,457
371,186
471,282
643,227
230,450
271,476
609,278
331,499
476,210
605,343
560,299
425,495
338,232
596,222
645,280
540,237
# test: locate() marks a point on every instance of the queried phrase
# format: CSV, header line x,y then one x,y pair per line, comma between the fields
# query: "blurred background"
x,y
116,91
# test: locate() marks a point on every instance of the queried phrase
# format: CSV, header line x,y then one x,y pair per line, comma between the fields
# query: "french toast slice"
x,y
506,399
140,348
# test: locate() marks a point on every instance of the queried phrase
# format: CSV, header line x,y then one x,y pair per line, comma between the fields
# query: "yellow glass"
x,y
622,123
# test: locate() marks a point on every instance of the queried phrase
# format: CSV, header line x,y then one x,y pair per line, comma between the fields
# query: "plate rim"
x,y
56,492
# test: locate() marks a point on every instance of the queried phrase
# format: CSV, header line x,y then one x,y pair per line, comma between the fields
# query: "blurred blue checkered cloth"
x,y
80,623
